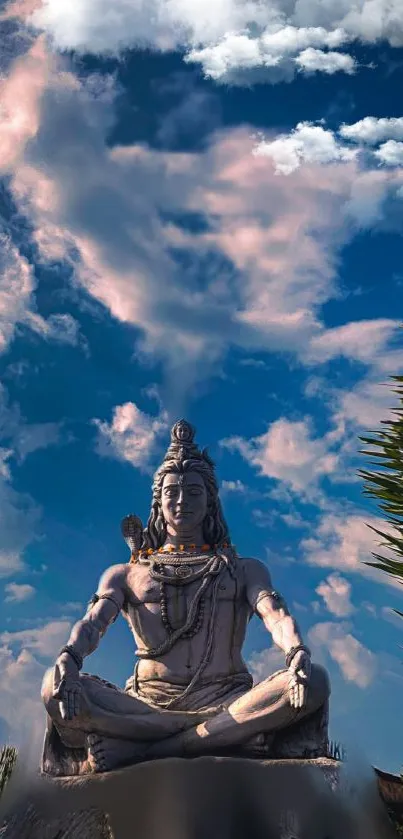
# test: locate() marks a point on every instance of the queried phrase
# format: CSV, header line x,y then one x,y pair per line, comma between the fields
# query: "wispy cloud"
x,y
18,592
21,674
21,437
45,640
357,663
16,289
362,340
344,542
336,592
236,486
287,452
19,517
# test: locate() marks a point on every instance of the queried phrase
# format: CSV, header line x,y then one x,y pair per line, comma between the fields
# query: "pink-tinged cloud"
x,y
345,542
288,452
100,210
336,592
20,9
361,340
131,436
357,663
20,97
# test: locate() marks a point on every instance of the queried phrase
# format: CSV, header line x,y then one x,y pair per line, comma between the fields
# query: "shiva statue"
x,y
187,597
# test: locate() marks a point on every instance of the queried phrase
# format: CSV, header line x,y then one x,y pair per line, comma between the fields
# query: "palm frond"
x,y
384,484
8,757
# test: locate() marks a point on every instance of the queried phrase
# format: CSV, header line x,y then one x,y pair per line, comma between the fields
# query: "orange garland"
x,y
171,549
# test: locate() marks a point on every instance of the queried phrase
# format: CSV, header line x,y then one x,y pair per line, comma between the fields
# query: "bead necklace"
x,y
183,576
198,619
195,612
182,550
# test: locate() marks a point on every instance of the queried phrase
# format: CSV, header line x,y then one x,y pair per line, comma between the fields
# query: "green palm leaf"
x,y
385,485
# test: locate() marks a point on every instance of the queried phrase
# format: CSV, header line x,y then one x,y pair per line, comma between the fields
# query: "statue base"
x,y
222,798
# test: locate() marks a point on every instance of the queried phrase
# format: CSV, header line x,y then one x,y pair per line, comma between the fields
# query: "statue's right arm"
x,y
102,611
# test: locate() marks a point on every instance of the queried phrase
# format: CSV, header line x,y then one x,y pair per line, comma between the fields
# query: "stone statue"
x,y
187,597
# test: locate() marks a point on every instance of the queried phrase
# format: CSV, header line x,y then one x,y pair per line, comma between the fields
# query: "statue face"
x,y
184,501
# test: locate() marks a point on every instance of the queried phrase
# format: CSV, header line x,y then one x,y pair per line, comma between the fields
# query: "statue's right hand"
x,y
67,687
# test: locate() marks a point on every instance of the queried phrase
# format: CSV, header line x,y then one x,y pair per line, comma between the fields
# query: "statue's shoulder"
x,y
253,568
115,576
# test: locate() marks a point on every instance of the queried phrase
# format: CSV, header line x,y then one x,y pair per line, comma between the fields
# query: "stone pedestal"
x,y
203,798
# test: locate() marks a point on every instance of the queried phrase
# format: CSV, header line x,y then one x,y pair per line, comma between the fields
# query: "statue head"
x,y
185,493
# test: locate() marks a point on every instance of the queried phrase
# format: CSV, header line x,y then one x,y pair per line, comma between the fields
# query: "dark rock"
x,y
197,798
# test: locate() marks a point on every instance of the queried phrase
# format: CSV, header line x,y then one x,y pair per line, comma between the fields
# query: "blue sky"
x,y
201,215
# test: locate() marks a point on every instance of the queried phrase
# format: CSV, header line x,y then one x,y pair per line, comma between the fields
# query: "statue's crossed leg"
x,y
119,728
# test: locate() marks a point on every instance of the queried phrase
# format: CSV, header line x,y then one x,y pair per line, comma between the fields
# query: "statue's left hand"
x,y
299,672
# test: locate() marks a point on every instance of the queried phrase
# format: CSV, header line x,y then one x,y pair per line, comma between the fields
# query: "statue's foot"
x,y
106,753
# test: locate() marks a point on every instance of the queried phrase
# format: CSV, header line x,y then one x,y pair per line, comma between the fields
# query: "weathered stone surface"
x,y
26,824
219,798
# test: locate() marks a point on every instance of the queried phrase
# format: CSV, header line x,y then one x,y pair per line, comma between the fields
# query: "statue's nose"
x,y
181,498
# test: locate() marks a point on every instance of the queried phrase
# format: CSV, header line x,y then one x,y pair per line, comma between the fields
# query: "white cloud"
x,y
233,487
21,675
20,704
23,438
18,592
19,515
226,37
359,340
313,61
307,143
336,591
32,437
16,288
45,640
132,435
357,663
373,130
346,542
287,452
390,153
58,327
18,521
278,47
364,406
365,205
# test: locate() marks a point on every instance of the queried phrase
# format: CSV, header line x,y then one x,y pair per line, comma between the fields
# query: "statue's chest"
x,y
144,589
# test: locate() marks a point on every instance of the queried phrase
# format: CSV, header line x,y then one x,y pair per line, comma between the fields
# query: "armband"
x,y
96,597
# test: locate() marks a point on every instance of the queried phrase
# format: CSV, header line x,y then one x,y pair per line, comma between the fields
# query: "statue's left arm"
x,y
271,607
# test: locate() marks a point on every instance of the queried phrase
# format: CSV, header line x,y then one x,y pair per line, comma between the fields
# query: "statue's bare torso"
x,y
142,610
